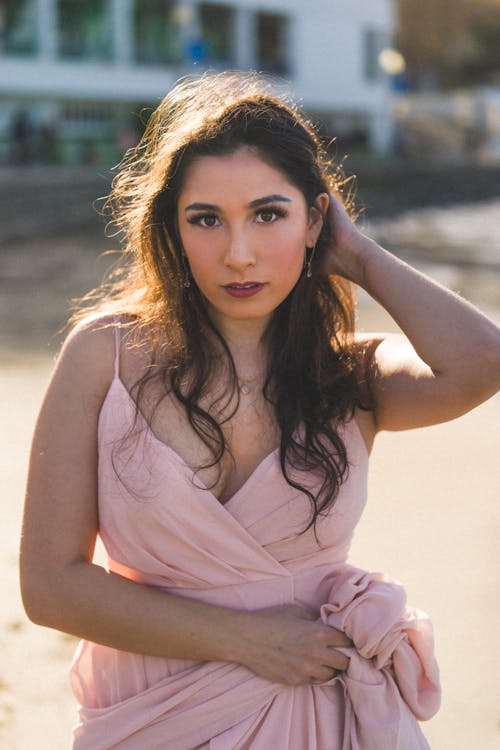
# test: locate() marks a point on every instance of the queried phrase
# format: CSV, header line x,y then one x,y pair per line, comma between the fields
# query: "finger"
x,y
327,674
334,637
337,660
339,639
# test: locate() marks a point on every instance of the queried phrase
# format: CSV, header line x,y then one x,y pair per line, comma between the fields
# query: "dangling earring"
x,y
309,262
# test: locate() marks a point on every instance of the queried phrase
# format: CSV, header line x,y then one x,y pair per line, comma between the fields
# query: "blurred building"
x,y
451,50
449,43
74,73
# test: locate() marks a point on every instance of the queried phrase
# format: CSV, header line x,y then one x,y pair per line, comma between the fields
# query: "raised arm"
x,y
449,359
63,589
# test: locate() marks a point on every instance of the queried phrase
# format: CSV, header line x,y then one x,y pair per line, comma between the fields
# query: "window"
x,y
272,37
85,29
156,31
88,132
217,32
18,27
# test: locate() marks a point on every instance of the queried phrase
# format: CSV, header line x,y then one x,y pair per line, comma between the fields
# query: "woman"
x,y
211,420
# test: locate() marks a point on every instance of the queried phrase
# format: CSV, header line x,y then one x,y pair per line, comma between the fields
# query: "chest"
x,y
250,432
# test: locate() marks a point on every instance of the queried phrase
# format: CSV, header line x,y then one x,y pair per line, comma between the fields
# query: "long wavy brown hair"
x,y
311,380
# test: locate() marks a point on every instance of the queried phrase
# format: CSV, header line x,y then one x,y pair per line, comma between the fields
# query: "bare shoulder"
x,y
101,345
81,378
85,365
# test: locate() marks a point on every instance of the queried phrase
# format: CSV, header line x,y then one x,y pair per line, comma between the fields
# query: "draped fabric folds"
x,y
162,528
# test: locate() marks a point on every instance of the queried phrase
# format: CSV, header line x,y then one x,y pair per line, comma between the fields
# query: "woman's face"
x,y
244,229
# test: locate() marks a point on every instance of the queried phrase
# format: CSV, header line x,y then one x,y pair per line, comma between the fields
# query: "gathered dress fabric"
x,y
161,527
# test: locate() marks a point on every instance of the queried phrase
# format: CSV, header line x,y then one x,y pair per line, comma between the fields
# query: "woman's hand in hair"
x,y
344,256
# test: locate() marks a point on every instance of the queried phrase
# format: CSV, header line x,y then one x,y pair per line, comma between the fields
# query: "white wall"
x,y
330,49
329,41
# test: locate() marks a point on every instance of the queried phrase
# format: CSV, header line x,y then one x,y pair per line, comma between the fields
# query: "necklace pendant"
x,y
245,389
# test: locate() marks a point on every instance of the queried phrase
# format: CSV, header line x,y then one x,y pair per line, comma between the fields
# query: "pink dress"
x,y
162,528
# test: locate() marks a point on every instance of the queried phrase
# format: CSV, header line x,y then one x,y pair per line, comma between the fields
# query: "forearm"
x,y
282,644
88,602
446,331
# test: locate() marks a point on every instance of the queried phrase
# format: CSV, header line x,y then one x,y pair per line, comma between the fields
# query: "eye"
x,y
208,221
269,215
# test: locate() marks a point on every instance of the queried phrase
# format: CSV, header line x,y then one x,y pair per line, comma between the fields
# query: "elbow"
x,y
488,367
495,364
484,381
35,598
52,596
478,375
43,597
35,615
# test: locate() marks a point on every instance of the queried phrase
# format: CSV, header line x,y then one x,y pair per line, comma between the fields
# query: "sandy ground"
x,y
432,522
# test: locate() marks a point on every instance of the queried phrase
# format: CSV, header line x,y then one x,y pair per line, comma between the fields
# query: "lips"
x,y
243,289
242,284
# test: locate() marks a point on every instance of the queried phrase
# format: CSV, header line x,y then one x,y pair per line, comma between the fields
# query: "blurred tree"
x,y
449,42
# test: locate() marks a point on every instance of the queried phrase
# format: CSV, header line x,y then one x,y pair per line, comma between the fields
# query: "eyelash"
x,y
280,212
277,210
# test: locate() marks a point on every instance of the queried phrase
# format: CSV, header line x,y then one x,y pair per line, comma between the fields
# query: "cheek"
x,y
289,253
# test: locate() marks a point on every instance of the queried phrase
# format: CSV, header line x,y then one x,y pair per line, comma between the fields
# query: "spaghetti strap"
x,y
117,345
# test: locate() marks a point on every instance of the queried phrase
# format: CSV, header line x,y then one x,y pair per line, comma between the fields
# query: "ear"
x,y
317,212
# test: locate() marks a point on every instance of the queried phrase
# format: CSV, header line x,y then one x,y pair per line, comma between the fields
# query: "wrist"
x,y
348,257
233,646
353,264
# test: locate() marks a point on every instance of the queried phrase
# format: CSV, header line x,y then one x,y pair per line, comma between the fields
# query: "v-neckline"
x,y
197,482
206,496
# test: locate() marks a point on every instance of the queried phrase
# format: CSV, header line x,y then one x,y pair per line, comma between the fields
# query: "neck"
x,y
246,342
245,339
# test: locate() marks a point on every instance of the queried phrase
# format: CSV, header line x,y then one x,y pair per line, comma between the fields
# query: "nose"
x,y
239,253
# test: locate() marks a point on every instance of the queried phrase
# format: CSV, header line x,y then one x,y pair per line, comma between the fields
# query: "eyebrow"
x,y
276,198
